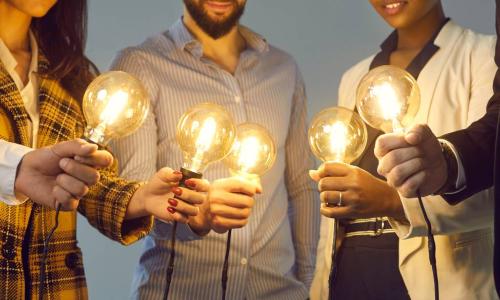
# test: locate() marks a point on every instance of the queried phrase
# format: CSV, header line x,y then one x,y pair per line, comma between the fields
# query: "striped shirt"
x,y
273,257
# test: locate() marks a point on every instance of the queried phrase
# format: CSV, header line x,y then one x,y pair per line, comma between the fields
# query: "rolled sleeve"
x,y
11,155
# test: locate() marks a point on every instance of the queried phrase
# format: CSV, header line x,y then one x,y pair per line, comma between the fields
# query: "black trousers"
x,y
367,268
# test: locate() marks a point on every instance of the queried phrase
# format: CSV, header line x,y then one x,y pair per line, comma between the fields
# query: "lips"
x,y
394,7
219,6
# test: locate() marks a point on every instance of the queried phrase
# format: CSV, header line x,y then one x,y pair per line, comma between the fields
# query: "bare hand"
x,y
363,195
53,175
413,162
231,201
162,198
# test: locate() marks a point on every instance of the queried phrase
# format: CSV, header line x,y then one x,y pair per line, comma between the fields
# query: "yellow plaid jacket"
x,y
23,228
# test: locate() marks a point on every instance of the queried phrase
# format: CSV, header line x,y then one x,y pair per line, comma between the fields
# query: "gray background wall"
x,y
324,36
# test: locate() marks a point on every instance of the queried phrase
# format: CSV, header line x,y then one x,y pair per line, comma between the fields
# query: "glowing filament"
x,y
115,106
388,100
338,140
249,153
206,136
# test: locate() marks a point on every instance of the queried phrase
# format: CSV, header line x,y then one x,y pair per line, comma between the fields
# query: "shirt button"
x,y
237,99
244,261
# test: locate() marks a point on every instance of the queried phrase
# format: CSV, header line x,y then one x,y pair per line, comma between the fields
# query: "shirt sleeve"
x,y
304,201
137,153
11,155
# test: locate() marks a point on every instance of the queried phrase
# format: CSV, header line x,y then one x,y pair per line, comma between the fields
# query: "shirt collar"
x,y
418,63
184,40
9,60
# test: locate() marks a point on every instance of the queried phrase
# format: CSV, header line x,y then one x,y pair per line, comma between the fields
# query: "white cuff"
x,y
10,156
461,183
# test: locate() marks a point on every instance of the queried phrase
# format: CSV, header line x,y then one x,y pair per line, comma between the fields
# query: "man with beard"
x,y
208,56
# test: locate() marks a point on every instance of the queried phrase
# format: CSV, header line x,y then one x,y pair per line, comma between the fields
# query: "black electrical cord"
x,y
333,268
226,265
431,246
43,262
170,268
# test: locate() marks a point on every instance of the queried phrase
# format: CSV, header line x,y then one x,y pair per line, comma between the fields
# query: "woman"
x,y
454,68
43,75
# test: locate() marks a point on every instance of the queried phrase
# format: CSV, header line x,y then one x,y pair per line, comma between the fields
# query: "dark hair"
x,y
61,35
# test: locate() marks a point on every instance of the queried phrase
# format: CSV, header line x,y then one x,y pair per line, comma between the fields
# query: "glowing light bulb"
x,y
115,104
337,134
205,134
388,98
253,152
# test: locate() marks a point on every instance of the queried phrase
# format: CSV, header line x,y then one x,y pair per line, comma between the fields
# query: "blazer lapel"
x,y
14,121
429,76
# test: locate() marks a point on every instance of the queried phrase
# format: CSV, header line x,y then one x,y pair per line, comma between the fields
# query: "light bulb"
x,y
337,134
388,98
115,104
205,134
253,152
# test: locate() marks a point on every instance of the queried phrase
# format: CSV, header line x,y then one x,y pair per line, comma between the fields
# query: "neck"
x,y
418,34
231,44
14,27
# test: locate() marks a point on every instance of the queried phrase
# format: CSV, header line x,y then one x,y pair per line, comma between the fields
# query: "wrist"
x,y
397,211
137,207
448,169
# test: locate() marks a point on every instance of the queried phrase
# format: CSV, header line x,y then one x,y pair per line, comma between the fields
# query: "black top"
x,y
477,146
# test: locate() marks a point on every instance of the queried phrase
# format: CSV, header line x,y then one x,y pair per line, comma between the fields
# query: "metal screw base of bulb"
x,y
188,174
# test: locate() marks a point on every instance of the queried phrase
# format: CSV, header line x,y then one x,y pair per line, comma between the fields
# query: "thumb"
x,y
419,134
70,149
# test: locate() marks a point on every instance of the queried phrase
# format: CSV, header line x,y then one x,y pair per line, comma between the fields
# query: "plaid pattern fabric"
x,y
23,228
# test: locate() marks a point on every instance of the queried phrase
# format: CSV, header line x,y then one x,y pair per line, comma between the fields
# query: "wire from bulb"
x,y
431,247
43,261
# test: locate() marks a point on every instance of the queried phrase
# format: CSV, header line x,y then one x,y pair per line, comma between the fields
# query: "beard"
x,y
214,28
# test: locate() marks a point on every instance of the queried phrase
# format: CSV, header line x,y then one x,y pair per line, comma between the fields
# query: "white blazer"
x,y
456,85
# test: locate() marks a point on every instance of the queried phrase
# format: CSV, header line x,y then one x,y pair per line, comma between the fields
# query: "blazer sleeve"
x,y
476,144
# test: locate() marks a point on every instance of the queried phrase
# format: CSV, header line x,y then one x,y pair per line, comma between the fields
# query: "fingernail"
x,y
177,172
177,191
171,210
190,184
63,162
172,202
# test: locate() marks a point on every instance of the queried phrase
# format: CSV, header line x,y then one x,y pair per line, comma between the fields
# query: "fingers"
x,y
98,159
189,196
333,169
397,157
79,171
399,174
337,212
72,185
332,198
236,185
411,186
334,184
169,176
64,198
164,211
199,185
418,134
183,207
230,199
389,142
229,212
77,147
221,224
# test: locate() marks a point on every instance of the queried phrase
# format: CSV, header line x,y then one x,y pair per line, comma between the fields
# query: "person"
x,y
208,56
43,74
453,67
460,164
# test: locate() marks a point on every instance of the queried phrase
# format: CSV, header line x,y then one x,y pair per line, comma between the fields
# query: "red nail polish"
x,y
177,172
172,202
190,184
177,191
171,210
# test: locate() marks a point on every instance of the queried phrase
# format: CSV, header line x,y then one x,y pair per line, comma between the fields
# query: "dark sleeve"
x,y
476,144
